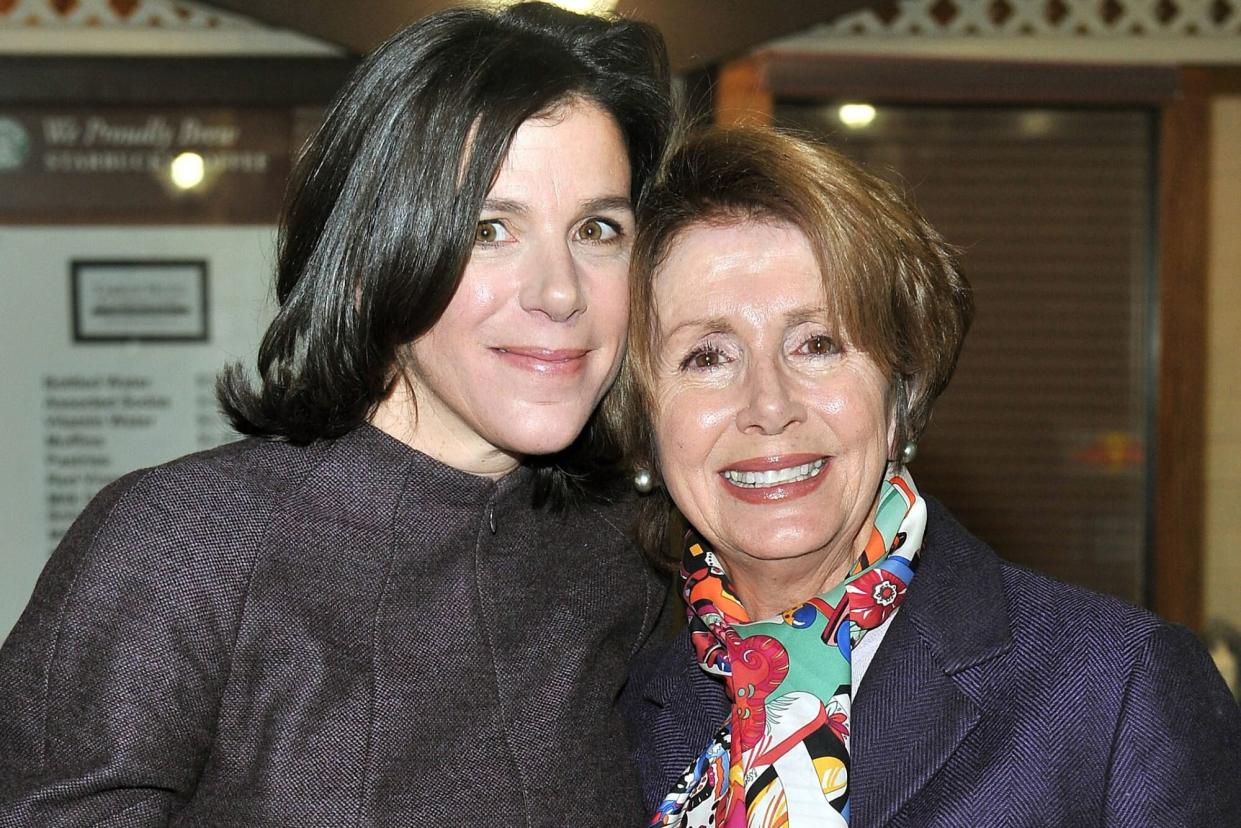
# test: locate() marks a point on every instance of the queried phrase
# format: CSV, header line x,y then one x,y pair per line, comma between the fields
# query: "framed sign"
x,y
146,300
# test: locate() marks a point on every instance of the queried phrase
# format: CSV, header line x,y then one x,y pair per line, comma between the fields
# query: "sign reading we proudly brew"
x,y
100,166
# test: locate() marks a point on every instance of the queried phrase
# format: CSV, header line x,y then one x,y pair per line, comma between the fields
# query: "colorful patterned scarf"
x,y
782,759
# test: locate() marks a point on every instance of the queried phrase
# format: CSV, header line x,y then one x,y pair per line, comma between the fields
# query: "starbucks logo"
x,y
14,144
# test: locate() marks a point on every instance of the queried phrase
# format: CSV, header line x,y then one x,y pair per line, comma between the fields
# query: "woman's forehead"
x,y
706,262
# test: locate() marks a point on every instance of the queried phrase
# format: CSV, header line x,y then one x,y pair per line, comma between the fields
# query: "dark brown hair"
x,y
890,279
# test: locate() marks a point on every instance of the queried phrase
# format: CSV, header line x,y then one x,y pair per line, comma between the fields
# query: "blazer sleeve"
x,y
1177,747
109,683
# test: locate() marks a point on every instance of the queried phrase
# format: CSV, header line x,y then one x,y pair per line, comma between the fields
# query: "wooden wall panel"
x,y
1180,419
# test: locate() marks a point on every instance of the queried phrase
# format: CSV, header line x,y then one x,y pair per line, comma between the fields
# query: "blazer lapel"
x,y
916,703
691,708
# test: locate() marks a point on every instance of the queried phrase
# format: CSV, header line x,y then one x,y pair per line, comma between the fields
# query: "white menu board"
x,y
110,341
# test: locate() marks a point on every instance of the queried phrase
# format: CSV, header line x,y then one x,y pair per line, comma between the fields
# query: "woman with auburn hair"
x,y
853,655
403,601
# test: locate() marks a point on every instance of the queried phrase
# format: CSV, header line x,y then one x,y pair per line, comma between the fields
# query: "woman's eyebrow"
x,y
720,324
602,204
504,205
806,313
605,204
714,324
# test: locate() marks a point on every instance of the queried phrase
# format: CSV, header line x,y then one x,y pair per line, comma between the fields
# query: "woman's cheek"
x,y
713,413
685,412
832,405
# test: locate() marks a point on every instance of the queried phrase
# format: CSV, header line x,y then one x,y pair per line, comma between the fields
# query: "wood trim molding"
x,y
1222,80
1176,565
948,81
742,93
95,81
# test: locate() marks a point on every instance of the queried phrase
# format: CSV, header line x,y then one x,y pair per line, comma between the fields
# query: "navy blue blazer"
x,y
999,697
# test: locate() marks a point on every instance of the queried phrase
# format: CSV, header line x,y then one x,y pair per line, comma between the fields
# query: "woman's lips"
x,y
775,478
544,361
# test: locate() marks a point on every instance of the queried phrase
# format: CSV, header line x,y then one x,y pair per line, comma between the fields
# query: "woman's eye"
x,y
819,345
490,232
704,359
597,230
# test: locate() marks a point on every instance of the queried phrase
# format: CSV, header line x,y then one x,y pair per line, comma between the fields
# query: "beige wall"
x,y
1223,453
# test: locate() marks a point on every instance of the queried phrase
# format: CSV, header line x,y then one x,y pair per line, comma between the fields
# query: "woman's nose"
x,y
553,287
772,403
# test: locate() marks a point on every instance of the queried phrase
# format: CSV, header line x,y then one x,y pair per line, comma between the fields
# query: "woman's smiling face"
x,y
772,431
533,336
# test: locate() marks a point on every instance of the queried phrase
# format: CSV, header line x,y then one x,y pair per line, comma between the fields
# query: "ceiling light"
x,y
856,115
587,6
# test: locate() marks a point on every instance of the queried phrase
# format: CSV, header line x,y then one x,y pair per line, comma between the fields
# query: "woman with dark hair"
x,y
853,656
402,601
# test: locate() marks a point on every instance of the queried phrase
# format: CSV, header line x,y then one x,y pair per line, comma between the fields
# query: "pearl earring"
x,y
908,452
644,481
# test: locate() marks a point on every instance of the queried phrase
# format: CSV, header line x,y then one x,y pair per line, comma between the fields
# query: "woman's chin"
x,y
535,442
807,547
775,550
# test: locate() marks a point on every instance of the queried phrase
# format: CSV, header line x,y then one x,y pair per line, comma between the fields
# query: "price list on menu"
x,y
97,425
